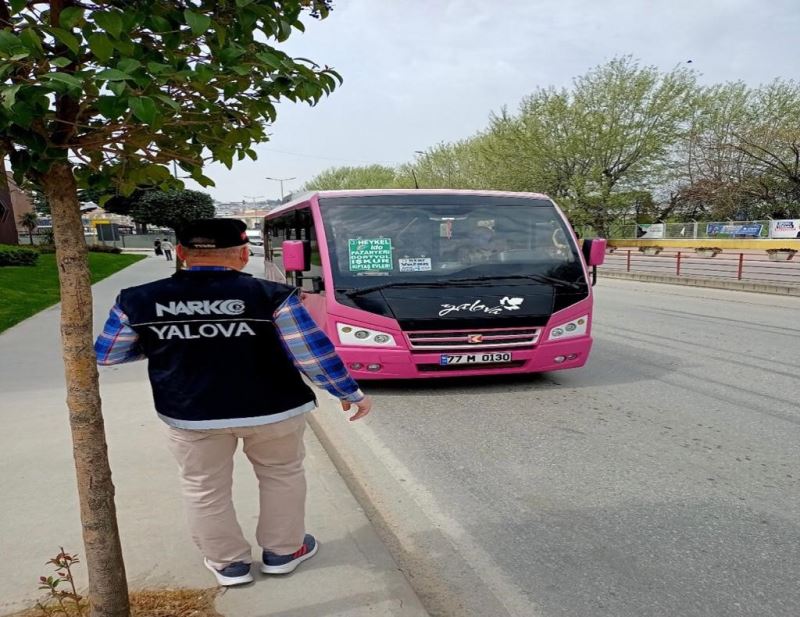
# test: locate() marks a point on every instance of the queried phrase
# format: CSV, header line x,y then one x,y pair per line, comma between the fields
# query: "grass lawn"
x,y
26,290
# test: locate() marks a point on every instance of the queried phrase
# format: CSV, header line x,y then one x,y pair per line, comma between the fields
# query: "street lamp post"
x,y
281,180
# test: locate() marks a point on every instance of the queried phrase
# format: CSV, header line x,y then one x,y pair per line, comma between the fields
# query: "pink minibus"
x,y
432,283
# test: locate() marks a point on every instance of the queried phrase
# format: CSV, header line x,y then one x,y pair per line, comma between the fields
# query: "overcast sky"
x,y
419,72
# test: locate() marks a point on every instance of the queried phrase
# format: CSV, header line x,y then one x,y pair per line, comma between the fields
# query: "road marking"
x,y
509,595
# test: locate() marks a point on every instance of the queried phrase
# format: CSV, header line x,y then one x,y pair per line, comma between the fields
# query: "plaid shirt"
x,y
310,349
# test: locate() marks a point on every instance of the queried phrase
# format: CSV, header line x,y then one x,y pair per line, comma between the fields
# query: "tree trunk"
x,y
30,236
108,588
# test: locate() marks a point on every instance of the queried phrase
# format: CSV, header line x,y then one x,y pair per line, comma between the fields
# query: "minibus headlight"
x,y
576,327
354,335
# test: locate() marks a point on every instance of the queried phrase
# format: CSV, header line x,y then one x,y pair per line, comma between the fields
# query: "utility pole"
x,y
419,153
281,180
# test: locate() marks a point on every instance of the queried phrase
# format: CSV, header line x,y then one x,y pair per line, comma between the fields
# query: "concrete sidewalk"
x,y
353,575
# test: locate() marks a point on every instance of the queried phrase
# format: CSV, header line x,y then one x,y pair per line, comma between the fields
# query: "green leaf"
x,y
70,17
24,114
144,108
18,5
203,180
198,22
10,95
110,21
66,79
8,42
113,75
30,38
101,46
69,40
128,65
169,101
230,54
126,48
117,87
270,59
242,3
60,62
111,107
159,24
285,30
157,68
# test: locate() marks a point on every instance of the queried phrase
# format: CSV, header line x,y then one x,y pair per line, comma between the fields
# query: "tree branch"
x,y
5,14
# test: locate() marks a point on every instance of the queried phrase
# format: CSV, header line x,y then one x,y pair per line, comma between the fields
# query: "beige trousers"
x,y
205,458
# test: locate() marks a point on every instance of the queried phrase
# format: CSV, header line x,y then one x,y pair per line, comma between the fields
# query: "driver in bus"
x,y
483,244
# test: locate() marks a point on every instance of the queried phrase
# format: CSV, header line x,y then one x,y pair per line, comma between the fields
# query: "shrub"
x,y
706,249
17,255
650,250
93,248
47,235
102,248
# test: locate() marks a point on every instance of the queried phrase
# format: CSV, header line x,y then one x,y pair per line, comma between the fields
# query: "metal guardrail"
x,y
749,266
126,241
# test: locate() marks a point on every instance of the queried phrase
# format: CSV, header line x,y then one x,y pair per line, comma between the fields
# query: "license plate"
x,y
474,358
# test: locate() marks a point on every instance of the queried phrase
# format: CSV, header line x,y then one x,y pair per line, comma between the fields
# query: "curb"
x,y
448,580
422,578
764,288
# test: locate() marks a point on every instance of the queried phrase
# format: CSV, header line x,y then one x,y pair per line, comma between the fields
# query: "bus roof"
x,y
367,192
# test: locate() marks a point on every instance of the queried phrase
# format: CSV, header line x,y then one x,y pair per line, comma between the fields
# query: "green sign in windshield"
x,y
371,254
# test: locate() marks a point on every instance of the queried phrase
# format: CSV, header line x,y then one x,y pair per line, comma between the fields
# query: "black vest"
x,y
214,356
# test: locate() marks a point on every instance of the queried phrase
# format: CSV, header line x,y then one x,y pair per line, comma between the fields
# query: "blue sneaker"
x,y
283,564
237,573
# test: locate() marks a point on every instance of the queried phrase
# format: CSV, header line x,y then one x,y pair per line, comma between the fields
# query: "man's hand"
x,y
364,407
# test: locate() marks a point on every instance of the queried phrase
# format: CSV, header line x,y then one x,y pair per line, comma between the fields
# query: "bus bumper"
x,y
365,363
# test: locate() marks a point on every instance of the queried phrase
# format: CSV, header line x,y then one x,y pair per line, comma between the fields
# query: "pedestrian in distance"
x,y
157,247
167,247
211,334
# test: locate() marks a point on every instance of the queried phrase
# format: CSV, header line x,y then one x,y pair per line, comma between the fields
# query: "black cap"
x,y
213,234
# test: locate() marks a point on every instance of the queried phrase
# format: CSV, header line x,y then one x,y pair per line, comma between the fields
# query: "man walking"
x,y
167,247
225,354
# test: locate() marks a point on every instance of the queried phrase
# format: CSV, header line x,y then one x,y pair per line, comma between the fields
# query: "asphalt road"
x,y
662,479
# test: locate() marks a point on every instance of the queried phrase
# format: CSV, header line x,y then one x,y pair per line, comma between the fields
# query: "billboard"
x,y
787,228
752,230
650,231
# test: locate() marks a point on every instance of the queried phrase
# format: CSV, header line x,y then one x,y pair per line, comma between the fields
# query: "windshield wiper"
x,y
539,278
352,293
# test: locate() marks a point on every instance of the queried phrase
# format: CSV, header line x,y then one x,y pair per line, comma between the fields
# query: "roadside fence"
x,y
752,266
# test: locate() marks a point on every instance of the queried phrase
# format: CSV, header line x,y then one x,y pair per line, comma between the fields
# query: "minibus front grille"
x,y
473,339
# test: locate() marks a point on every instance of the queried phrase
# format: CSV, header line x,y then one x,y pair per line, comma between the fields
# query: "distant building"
x,y
13,205
252,217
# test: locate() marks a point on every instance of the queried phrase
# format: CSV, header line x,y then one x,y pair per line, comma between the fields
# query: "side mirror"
x,y
294,256
594,251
